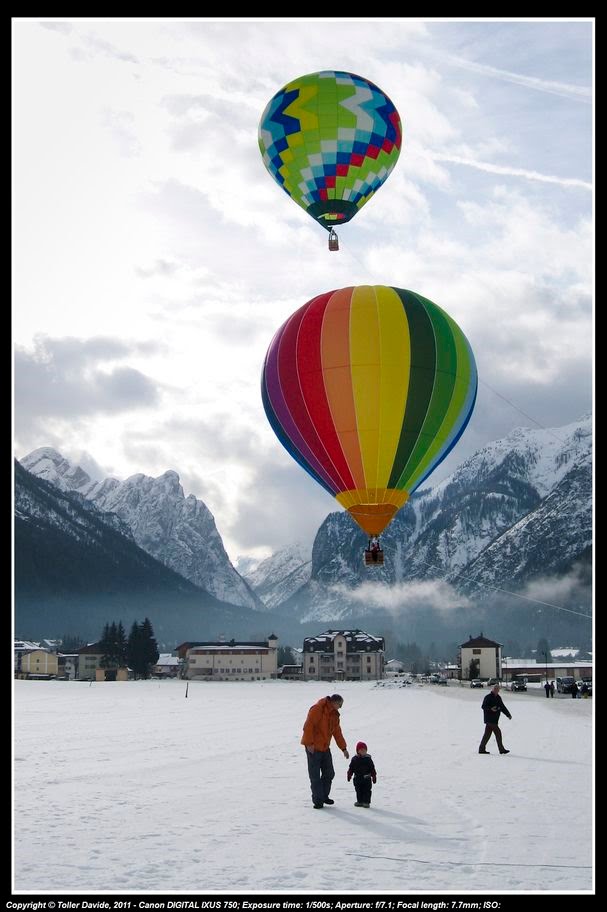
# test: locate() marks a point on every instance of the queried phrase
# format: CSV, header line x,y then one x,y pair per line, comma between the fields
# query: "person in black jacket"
x,y
363,770
492,706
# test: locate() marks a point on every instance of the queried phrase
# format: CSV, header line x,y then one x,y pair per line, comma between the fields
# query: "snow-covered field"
x,y
130,787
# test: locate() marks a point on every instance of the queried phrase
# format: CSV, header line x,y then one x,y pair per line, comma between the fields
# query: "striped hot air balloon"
x,y
369,388
330,140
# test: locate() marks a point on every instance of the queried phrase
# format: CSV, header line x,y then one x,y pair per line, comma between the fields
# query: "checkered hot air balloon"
x,y
330,140
369,388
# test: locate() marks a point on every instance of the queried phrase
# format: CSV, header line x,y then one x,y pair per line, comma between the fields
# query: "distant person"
x,y
374,549
547,688
492,706
322,724
584,690
363,770
574,690
552,688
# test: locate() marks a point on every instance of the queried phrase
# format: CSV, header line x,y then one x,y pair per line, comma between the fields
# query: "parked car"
x,y
565,684
476,682
493,681
518,685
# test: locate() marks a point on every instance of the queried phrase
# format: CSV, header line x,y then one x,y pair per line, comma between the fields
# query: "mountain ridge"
x,y
179,531
515,514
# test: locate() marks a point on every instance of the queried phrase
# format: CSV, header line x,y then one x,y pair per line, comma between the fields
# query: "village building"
x,y
89,661
291,673
167,666
38,663
534,671
236,660
344,655
480,657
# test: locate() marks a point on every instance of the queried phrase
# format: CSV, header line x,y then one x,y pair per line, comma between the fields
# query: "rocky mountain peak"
x,y
178,531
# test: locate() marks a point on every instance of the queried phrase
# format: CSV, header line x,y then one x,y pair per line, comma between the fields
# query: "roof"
x,y
479,641
21,645
190,644
226,647
355,640
166,658
511,664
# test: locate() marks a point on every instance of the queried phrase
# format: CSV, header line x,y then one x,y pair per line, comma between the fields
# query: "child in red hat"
x,y
363,770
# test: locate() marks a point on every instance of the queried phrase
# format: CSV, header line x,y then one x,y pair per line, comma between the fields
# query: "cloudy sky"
x,y
154,257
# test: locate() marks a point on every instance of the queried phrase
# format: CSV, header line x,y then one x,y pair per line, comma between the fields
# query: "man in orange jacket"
x,y
322,724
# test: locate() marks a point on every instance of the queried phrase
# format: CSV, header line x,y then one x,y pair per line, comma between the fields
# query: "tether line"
x,y
474,864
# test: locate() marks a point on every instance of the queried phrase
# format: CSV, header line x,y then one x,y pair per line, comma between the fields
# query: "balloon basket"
x,y
374,558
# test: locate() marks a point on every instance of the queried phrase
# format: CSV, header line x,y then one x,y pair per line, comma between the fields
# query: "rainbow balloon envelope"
x,y
369,388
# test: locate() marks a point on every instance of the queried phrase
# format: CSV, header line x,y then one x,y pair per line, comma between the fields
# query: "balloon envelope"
x,y
330,140
369,388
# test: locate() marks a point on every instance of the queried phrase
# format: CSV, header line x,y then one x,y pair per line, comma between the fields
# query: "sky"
x,y
154,257
144,791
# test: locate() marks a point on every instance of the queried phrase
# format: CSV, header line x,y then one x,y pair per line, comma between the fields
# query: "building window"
x,y
476,652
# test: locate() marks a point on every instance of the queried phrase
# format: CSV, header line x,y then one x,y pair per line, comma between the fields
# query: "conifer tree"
x,y
105,646
542,651
150,647
121,644
113,645
142,650
134,649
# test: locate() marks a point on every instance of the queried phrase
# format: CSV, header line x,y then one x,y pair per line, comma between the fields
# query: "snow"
x,y
548,453
130,787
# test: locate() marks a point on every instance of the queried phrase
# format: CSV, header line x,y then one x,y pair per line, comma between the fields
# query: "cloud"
x,y
559,591
256,493
146,214
574,92
64,27
100,46
71,378
512,172
403,598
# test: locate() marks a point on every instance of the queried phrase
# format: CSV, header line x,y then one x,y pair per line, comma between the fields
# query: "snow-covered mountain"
x,y
277,577
78,568
179,531
518,511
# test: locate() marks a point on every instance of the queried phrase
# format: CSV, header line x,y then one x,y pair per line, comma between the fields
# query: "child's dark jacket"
x,y
361,767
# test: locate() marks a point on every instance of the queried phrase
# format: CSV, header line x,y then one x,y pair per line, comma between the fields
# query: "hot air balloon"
x,y
369,388
330,140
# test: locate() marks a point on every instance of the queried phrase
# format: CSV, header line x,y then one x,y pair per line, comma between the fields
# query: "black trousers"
x,y
322,773
363,787
491,729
